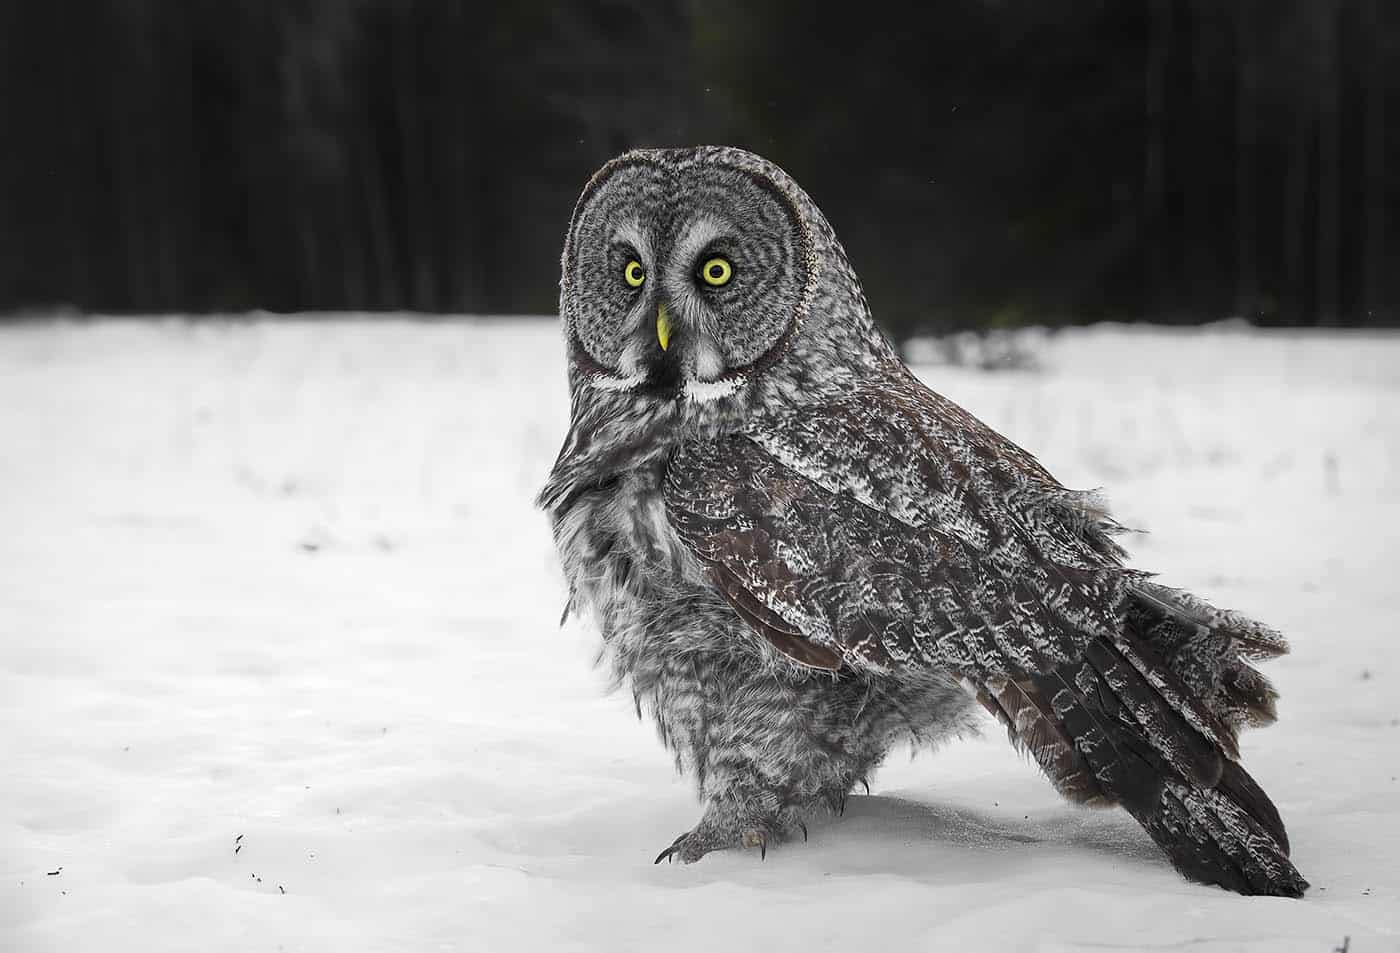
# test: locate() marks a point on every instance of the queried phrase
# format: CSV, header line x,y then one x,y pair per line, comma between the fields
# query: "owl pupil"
x,y
716,271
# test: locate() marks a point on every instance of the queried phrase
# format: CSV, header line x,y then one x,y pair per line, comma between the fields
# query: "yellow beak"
x,y
663,327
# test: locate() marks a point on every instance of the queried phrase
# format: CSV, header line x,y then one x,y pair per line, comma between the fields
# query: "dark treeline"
x,y
985,161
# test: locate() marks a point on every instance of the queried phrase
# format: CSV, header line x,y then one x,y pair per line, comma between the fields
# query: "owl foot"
x,y
692,845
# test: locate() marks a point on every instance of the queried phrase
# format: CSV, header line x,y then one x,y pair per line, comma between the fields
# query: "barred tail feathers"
x,y
1105,731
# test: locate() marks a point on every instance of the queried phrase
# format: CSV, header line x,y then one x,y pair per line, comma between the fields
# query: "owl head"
x,y
690,274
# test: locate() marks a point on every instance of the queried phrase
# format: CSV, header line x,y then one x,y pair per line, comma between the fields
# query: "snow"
x,y
276,614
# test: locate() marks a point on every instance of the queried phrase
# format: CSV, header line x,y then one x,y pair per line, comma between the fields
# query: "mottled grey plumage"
x,y
797,554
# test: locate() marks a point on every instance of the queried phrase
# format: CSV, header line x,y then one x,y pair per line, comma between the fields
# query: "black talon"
x,y
666,854
804,831
867,786
763,849
841,811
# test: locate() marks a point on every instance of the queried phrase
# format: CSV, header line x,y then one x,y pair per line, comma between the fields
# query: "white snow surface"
x,y
281,669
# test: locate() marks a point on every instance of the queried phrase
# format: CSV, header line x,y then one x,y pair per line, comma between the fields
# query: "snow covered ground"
x,y
280,666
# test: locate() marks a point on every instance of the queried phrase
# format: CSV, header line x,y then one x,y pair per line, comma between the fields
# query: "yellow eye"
x,y
634,274
717,272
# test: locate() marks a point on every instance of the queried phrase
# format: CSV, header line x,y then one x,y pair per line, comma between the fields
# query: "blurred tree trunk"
x,y
72,106
1201,223
1246,223
1295,221
1374,199
415,268
1328,162
455,246
370,164
1154,169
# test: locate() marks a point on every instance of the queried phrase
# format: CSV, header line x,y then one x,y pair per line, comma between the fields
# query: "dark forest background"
x,y
986,162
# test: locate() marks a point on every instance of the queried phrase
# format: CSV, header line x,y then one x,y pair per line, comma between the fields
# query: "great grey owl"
x,y
797,554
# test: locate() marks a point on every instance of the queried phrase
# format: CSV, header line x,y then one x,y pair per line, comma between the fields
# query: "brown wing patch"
x,y
1033,728
770,625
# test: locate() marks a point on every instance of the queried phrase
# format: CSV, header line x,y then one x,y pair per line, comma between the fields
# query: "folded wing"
x,y
893,530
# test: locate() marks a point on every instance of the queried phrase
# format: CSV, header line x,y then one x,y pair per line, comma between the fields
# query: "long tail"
x,y
1230,834
1123,725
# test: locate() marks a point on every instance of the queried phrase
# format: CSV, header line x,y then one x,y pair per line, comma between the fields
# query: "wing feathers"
x,y
1034,728
967,558
1146,711
770,625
